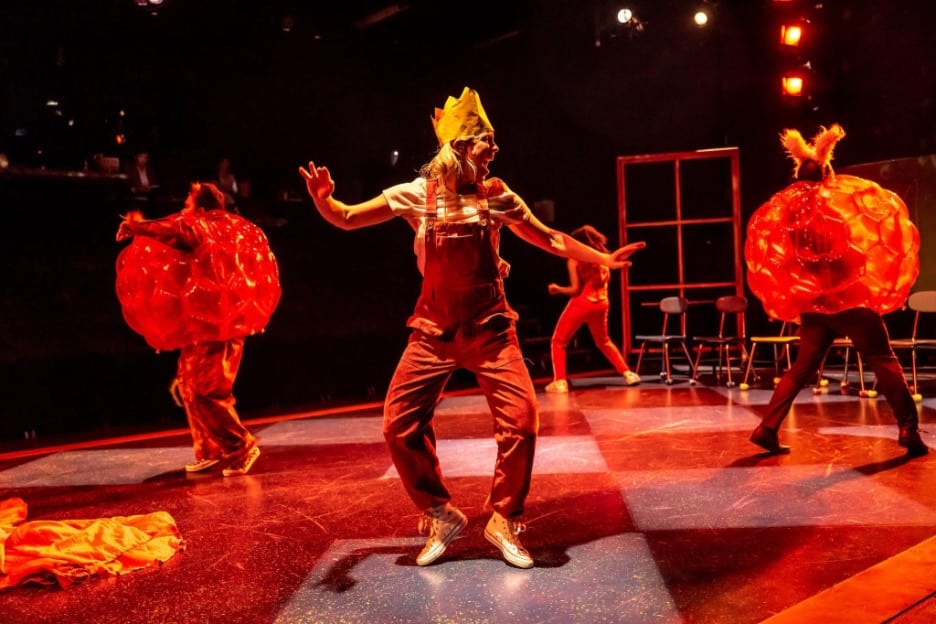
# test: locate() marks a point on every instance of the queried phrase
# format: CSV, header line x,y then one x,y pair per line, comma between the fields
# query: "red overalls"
x,y
462,320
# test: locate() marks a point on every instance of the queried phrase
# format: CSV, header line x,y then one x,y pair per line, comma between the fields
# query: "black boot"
x,y
909,438
767,439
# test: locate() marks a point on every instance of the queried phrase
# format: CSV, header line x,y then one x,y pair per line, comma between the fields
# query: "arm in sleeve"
x,y
177,231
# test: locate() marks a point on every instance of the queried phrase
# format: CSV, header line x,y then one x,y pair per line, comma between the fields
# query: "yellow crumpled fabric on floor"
x,y
73,551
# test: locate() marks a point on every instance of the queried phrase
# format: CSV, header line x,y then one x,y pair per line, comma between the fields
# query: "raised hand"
x,y
125,230
318,181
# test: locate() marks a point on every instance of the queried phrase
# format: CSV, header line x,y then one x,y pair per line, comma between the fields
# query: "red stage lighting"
x,y
793,85
791,34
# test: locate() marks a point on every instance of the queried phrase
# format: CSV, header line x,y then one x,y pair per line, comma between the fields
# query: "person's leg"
x,y
569,322
498,365
815,338
415,388
869,334
597,321
207,372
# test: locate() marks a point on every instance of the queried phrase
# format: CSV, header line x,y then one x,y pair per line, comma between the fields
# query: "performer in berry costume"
x,y
201,280
834,253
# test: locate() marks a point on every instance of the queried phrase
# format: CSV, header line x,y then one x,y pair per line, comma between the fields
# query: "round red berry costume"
x,y
830,245
833,253
201,280
197,276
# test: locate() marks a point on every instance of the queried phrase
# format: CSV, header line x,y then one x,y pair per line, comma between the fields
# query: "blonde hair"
x,y
446,164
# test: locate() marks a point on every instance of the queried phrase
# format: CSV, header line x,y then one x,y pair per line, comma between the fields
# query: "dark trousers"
x,y
867,331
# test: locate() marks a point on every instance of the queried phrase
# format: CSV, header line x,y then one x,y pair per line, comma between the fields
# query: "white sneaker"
x,y
631,378
503,532
560,386
442,524
200,464
244,465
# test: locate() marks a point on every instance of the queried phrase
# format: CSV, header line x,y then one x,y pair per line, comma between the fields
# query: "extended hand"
x,y
318,181
125,230
621,255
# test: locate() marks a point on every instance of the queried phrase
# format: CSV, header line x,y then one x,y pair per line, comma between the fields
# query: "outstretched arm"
x,y
347,217
173,231
575,283
533,231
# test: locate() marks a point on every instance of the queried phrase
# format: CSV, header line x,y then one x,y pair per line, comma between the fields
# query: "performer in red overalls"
x,y
589,305
201,280
461,320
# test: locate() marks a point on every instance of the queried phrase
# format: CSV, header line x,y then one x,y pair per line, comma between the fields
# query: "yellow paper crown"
x,y
464,117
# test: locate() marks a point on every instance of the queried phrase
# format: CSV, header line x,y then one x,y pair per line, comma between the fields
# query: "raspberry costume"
x,y
834,252
201,280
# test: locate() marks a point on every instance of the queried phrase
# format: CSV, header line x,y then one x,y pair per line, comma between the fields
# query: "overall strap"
x,y
484,212
432,203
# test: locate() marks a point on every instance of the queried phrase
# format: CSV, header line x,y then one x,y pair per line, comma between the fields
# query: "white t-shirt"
x,y
408,200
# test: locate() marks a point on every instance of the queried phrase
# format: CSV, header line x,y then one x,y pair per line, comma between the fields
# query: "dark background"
x,y
274,84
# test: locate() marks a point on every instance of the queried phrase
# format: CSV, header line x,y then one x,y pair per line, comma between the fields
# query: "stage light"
x,y
793,85
791,35
629,22
700,18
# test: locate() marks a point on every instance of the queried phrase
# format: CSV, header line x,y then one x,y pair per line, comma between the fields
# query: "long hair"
x,y
447,164
591,237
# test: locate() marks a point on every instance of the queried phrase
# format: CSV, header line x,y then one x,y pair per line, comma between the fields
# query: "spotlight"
x,y
792,85
791,34
700,18
630,23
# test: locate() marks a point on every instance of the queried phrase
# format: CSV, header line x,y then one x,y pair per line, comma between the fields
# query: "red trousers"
x,y
580,311
206,375
493,355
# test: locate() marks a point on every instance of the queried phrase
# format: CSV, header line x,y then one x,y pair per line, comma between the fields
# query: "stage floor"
x,y
648,504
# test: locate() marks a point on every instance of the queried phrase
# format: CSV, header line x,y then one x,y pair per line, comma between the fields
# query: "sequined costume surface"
x,y
829,246
214,279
